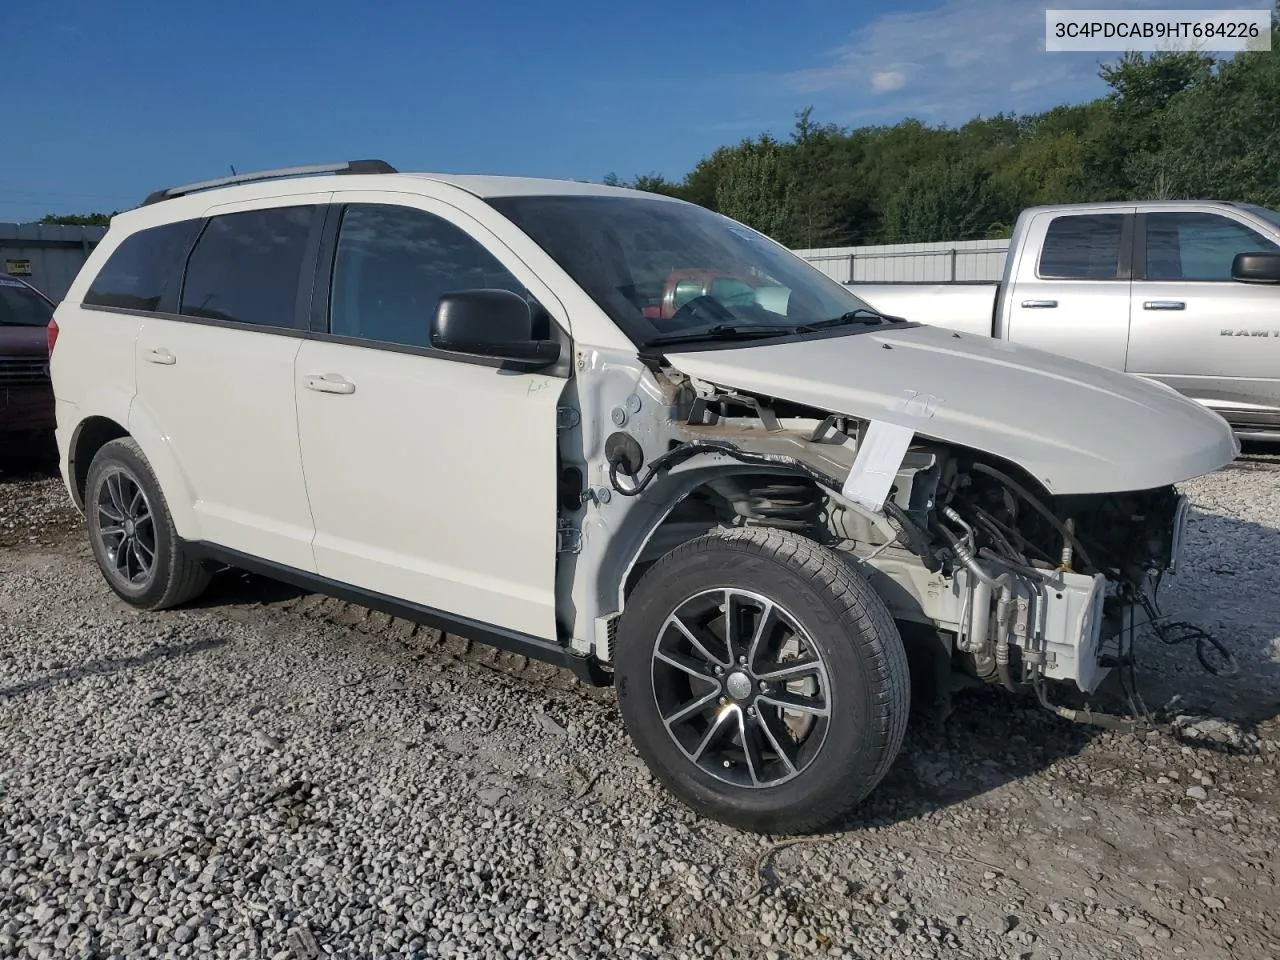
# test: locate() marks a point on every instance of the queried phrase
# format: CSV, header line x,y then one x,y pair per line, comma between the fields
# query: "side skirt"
x,y
587,669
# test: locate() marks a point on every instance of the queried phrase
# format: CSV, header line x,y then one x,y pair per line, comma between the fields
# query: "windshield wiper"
x,y
724,331
861,315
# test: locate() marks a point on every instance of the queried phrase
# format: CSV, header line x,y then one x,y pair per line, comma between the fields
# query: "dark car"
x,y
26,394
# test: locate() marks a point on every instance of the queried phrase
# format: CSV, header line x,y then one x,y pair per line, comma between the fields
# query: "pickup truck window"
x,y
1198,246
1082,247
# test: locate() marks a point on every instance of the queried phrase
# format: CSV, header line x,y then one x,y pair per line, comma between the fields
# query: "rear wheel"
x,y
132,533
762,680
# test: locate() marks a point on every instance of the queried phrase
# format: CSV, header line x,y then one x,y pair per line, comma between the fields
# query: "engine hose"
x,y
1006,678
917,539
689,450
1039,508
1105,720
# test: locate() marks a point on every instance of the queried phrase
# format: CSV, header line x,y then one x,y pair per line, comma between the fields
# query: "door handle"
x,y
1164,305
1043,304
330,383
160,355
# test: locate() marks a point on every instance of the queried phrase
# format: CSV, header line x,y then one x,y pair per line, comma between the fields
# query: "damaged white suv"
x,y
618,432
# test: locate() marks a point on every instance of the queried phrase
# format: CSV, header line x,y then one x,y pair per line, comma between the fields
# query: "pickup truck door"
x,y
1069,289
1213,338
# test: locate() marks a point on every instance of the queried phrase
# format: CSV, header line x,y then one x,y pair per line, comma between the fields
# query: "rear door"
x,y
216,377
1071,285
1196,329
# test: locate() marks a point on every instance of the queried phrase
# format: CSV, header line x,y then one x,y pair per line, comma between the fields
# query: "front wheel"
x,y
762,680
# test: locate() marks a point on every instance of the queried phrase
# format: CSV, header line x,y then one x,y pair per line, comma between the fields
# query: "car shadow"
x,y
107,667
231,587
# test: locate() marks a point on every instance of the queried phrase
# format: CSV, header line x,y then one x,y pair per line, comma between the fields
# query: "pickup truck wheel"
x,y
762,680
132,535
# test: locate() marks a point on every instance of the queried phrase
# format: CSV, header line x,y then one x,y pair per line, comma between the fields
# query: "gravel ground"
x,y
270,774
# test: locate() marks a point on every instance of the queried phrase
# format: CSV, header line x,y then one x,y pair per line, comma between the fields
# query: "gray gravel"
x,y
276,775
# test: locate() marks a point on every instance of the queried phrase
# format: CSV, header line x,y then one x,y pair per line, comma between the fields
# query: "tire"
x,y
120,481
825,607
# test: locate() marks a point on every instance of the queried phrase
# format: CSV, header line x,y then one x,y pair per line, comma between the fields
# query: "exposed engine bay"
x,y
1024,587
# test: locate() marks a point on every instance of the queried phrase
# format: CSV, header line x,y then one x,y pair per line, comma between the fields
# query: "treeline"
x,y
1173,126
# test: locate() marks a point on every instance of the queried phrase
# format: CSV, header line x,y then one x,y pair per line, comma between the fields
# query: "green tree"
x,y
1171,125
1222,138
947,200
79,219
753,189
1122,158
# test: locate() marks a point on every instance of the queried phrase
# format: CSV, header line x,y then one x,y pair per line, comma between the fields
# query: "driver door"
x,y
432,477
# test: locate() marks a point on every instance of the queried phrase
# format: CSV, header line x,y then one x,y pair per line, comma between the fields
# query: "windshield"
x,y
20,306
664,270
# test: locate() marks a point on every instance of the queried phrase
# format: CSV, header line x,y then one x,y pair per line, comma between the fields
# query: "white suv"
x,y
622,433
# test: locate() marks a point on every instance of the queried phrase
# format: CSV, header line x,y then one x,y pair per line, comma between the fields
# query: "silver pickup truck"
x,y
1187,292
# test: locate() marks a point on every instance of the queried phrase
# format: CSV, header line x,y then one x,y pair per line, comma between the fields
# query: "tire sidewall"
x,y
120,455
851,754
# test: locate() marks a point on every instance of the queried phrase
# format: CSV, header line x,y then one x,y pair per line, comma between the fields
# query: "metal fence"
x,y
912,262
46,256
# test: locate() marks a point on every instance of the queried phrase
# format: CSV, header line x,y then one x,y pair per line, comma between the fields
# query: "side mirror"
x,y
1256,267
497,324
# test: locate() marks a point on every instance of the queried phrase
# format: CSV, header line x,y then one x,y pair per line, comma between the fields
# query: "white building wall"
x,y
912,262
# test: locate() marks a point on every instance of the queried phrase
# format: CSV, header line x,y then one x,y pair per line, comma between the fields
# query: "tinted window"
x,y
393,265
20,306
246,266
1197,246
145,268
1082,247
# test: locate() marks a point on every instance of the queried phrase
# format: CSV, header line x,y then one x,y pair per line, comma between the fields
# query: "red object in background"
x,y
27,335
689,284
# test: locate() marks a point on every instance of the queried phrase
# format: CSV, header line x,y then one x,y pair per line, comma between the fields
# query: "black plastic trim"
x,y
586,669
1124,268
202,321
700,346
561,370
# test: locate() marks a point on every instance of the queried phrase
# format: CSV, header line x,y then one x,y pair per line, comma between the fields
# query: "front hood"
x,y
1076,427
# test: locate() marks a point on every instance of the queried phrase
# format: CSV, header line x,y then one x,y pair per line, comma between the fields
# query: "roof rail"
x,y
351,166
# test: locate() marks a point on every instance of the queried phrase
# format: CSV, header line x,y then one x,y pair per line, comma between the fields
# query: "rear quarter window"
x,y
145,271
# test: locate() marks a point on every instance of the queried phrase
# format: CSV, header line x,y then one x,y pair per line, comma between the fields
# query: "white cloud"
x,y
956,60
887,80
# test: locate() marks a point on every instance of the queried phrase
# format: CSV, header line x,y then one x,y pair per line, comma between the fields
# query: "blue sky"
x,y
109,101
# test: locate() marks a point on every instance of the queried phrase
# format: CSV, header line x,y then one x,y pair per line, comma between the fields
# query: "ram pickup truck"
x,y
1185,292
